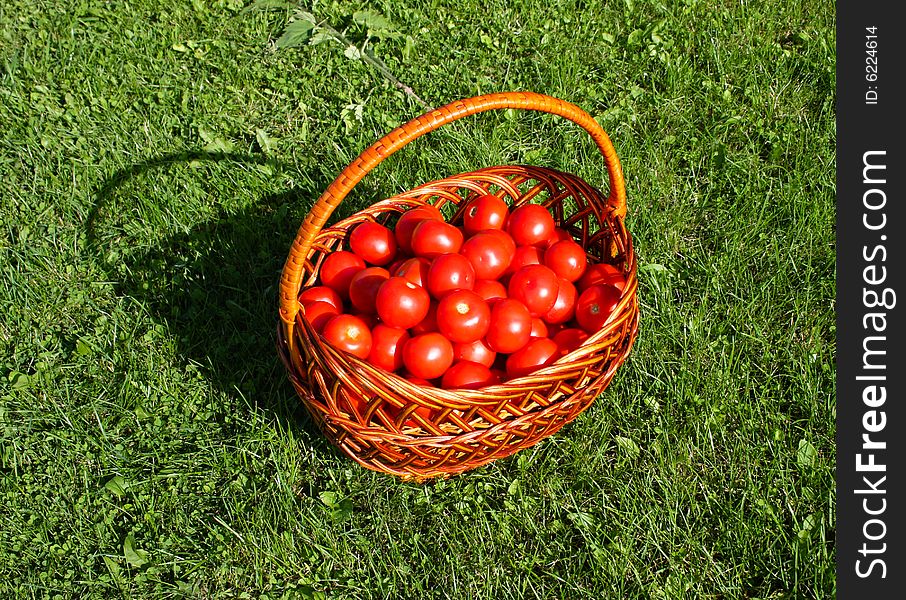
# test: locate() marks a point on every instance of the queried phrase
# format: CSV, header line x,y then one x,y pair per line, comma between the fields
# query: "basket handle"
x,y
291,278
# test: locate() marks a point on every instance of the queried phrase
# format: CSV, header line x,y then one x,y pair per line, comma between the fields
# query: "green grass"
x,y
150,443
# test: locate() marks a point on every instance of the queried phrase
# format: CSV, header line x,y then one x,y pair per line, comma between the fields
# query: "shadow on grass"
x,y
213,287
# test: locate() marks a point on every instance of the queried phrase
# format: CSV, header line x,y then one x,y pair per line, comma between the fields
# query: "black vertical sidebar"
x,y
871,299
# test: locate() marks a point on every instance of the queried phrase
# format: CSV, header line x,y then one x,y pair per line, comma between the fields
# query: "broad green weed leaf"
x,y
373,20
133,556
265,141
267,5
296,34
628,447
352,53
117,485
806,454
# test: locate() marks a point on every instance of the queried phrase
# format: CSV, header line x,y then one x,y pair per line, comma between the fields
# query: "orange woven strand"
x,y
369,413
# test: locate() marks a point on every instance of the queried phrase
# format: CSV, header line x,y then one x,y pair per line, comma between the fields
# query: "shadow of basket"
x,y
204,262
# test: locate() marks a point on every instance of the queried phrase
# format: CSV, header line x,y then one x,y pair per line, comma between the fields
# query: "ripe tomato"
x,y
530,224
401,303
484,212
524,256
565,305
489,254
568,340
338,268
363,288
432,238
510,328
450,272
429,323
567,259
503,237
489,289
463,316
408,221
539,328
534,355
321,293
387,347
318,314
428,355
476,351
395,265
557,236
468,375
350,334
413,269
373,242
595,305
535,286
369,319
600,274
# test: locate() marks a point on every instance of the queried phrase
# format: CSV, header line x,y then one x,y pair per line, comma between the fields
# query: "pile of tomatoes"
x,y
468,306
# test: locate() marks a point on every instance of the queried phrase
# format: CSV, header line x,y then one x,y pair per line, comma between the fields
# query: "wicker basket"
x,y
371,414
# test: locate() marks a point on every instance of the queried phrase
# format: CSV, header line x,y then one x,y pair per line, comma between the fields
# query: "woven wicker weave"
x,y
369,413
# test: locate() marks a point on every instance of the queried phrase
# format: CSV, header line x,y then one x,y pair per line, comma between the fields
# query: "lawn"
x,y
156,159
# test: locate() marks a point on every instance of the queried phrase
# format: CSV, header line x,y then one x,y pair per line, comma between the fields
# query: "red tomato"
x,y
567,259
504,238
364,287
369,319
569,339
318,314
350,334
463,316
530,224
539,328
524,256
595,305
534,355
429,323
565,305
408,221
489,289
419,381
484,212
321,293
489,254
553,329
510,328
338,268
432,238
413,269
395,265
450,272
428,355
387,347
468,375
476,351
373,242
401,303
557,236
600,274
535,286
